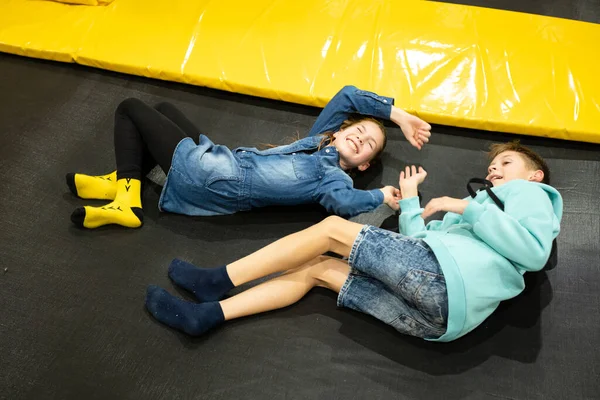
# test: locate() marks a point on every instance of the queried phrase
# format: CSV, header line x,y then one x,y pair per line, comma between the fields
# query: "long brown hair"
x,y
328,137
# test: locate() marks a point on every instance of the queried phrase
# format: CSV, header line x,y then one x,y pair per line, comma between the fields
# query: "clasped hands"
x,y
409,182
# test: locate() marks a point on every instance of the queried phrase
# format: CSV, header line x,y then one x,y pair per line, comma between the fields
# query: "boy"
x,y
437,281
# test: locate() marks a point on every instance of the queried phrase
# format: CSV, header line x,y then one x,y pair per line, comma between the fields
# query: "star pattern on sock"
x,y
118,208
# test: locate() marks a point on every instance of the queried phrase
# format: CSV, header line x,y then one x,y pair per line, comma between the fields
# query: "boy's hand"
x,y
416,131
391,197
410,179
445,203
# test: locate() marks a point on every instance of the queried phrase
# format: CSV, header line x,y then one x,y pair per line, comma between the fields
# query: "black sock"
x,y
207,284
191,318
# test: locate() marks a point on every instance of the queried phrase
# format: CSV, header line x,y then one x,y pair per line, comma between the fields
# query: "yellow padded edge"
x,y
451,64
44,29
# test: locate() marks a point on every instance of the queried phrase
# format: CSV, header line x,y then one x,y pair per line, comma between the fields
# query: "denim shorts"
x,y
398,280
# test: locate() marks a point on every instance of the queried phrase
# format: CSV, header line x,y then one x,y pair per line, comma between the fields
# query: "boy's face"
x,y
510,165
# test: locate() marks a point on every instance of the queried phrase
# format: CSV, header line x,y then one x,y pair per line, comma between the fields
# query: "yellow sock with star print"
x,y
100,187
125,210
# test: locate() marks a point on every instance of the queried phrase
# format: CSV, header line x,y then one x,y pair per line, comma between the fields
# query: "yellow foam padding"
x,y
44,29
85,2
450,64
79,2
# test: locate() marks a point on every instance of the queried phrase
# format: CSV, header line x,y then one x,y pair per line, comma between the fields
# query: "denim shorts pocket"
x,y
411,326
426,291
306,166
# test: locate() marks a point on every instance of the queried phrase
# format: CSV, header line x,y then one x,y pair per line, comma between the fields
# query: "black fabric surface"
x,y
72,321
581,10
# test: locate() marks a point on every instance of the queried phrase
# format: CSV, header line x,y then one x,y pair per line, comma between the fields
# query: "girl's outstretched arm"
x,y
351,100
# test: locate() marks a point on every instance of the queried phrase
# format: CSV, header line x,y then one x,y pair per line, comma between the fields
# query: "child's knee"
x,y
164,106
329,272
340,230
332,222
129,104
311,268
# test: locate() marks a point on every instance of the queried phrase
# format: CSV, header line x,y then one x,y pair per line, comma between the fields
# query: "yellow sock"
x,y
102,187
125,210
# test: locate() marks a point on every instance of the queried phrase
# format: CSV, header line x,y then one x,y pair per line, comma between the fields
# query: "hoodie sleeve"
x,y
523,232
411,223
351,100
410,220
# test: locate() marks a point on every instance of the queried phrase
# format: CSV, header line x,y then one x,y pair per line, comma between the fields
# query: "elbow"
x,y
344,212
348,90
341,210
538,259
541,250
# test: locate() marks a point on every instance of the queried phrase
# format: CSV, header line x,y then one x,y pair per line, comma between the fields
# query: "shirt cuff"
x,y
473,212
410,204
377,196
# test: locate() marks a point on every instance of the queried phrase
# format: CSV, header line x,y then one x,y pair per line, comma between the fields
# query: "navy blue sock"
x,y
191,318
207,284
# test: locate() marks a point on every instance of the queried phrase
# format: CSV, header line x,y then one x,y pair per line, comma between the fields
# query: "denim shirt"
x,y
209,179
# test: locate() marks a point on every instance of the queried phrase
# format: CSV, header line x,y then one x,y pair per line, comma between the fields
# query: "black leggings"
x,y
146,136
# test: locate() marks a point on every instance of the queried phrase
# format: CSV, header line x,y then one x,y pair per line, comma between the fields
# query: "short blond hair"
x,y
532,159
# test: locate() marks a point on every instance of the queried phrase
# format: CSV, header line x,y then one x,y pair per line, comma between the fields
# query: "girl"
x,y
208,179
436,281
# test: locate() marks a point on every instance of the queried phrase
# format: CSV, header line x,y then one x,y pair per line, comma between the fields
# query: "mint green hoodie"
x,y
485,252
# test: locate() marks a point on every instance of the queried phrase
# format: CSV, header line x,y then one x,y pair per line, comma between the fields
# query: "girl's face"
x,y
510,165
358,144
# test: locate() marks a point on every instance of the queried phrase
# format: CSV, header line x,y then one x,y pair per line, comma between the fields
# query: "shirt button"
x,y
320,177
293,154
326,150
385,101
243,151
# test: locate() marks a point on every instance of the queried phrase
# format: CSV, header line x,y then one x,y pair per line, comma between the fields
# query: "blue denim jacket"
x,y
208,179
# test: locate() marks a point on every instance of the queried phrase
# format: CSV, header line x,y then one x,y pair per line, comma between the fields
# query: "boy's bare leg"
x,y
295,253
333,234
288,288
197,318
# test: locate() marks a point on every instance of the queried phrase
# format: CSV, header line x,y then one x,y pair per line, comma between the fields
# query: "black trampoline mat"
x,y
581,10
73,324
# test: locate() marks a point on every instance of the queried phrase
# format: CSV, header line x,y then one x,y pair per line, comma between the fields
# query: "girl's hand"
x,y
410,179
445,203
391,197
416,131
